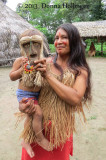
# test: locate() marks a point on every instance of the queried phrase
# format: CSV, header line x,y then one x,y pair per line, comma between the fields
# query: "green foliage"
x,y
96,43
52,48
97,47
47,15
42,29
98,11
92,117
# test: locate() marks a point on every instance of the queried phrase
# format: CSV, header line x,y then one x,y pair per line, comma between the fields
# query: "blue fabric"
x,y
26,94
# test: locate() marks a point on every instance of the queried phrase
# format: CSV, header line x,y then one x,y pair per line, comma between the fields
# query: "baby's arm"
x,y
17,69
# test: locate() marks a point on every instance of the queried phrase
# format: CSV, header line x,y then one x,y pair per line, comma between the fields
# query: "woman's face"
x,y
62,42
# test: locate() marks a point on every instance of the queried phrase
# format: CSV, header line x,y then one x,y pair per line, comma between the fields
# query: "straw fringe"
x,y
32,79
19,117
91,28
61,114
27,134
58,112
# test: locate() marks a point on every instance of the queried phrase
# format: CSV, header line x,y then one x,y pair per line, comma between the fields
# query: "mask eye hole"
x,y
26,45
36,44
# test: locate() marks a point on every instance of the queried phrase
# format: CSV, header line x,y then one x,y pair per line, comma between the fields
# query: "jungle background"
x,y
46,15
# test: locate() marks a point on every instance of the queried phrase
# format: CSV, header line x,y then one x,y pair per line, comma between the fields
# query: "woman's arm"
x,y
72,95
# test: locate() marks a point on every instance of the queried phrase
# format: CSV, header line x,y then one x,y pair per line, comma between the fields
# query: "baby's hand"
x,y
24,61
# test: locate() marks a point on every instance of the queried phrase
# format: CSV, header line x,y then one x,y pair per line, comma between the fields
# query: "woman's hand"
x,y
27,106
41,65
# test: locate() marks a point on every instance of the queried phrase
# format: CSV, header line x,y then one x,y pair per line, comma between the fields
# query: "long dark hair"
x,y
77,58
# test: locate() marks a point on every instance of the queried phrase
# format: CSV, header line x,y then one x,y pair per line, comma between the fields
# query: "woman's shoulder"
x,y
83,71
50,59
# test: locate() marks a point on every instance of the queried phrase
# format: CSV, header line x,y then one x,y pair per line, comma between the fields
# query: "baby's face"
x,y
32,50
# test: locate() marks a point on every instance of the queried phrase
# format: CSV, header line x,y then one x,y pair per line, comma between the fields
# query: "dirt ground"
x,y
90,144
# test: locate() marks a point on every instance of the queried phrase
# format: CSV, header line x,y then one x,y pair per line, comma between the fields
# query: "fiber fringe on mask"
x,y
32,79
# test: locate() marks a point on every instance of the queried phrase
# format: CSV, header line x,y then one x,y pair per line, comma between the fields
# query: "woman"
x,y
65,89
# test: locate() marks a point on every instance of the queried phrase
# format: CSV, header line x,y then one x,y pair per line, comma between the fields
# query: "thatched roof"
x,y
11,26
91,29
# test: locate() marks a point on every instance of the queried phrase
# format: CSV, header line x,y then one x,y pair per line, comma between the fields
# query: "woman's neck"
x,y
62,60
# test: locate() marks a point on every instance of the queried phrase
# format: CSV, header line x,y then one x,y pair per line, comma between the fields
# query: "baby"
x,y
31,44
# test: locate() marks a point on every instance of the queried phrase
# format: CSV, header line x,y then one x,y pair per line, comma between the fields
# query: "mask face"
x,y
32,47
32,50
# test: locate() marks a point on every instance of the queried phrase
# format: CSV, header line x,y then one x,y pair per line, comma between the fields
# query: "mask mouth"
x,y
33,55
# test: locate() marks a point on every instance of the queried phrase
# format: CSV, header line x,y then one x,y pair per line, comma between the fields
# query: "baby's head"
x,y
31,44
